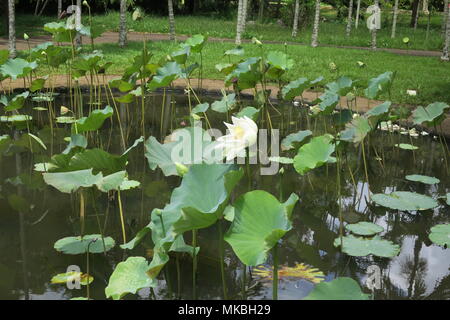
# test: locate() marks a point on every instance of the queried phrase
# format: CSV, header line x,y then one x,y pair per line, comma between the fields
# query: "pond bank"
x,y
214,87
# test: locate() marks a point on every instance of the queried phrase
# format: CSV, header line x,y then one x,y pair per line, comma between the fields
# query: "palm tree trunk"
x,y
239,22
123,24
445,56
12,29
59,8
349,19
78,23
315,33
244,15
394,19
444,20
416,17
358,6
296,14
171,20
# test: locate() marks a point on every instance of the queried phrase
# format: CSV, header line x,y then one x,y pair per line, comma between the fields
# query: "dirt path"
x,y
211,86
113,37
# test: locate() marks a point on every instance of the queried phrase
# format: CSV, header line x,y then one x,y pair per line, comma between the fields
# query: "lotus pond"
x,y
121,190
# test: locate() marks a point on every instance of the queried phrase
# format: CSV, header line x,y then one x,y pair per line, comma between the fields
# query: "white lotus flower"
x,y
243,133
412,93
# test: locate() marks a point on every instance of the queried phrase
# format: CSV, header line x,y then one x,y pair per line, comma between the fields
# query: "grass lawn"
x,y
429,76
331,32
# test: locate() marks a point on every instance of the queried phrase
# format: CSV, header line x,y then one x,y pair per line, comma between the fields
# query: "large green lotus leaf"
x,y
292,139
361,247
380,110
189,145
279,63
341,86
112,181
260,221
129,276
246,73
37,84
249,112
16,102
17,68
423,179
63,278
196,42
341,288
430,116
98,160
202,195
295,88
379,85
405,201
76,141
328,101
356,130
60,32
71,181
440,235
364,228
93,122
203,107
314,154
165,75
88,62
180,55
226,104
80,245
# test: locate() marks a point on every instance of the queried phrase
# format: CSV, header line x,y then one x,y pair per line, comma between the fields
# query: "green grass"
x,y
332,32
429,76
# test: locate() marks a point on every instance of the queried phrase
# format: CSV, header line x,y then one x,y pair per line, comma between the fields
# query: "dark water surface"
x,y
28,260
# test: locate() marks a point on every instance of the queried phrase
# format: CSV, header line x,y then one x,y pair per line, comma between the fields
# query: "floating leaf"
x,y
364,228
361,247
63,278
129,277
299,272
283,160
405,200
440,235
406,146
314,154
260,220
341,288
423,179
80,245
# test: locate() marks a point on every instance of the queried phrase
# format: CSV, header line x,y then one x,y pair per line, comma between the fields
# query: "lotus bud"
x,y
85,3
64,110
181,169
26,37
256,41
281,171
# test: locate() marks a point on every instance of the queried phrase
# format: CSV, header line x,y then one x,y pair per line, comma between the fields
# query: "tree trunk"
x,y
374,31
296,14
416,17
78,42
262,3
445,56
414,9
59,8
349,19
394,19
239,22
171,20
444,19
43,8
358,6
123,24
244,14
12,29
315,33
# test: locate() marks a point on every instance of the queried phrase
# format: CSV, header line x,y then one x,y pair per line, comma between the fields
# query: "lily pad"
x,y
63,278
129,277
314,154
423,179
406,146
78,245
260,221
364,228
341,288
361,247
440,235
405,200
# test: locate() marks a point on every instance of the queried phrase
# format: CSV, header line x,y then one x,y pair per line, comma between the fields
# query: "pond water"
x,y
28,260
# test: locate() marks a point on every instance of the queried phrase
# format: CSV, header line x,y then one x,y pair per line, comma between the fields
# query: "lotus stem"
x,y
194,264
275,272
222,267
122,220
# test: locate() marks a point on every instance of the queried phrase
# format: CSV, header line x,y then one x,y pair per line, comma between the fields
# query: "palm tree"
x,y
12,29
394,19
445,56
123,24
171,20
242,16
349,19
315,33
296,14
444,20
358,6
